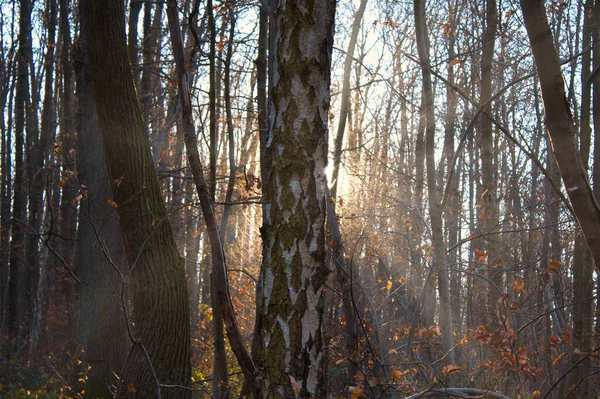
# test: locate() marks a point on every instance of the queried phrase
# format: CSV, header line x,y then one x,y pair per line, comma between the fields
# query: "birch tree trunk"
x,y
290,352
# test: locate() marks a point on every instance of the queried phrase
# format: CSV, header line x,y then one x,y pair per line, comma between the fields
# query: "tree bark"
x,y
160,300
100,255
291,349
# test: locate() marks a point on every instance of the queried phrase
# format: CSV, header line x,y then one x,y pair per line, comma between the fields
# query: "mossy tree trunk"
x,y
290,349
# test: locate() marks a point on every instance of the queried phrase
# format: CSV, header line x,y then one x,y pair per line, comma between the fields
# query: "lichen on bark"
x,y
294,270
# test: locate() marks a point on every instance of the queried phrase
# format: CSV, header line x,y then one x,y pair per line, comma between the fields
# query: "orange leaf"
x,y
355,392
536,395
451,368
519,286
456,61
112,203
558,359
554,265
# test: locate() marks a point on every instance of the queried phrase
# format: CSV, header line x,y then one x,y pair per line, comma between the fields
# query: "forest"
x,y
299,199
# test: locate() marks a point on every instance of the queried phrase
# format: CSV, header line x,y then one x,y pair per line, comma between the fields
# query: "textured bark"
x,y
294,270
160,300
559,122
437,239
100,255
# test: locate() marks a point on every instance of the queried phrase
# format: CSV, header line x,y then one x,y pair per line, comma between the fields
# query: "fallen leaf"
x,y
112,203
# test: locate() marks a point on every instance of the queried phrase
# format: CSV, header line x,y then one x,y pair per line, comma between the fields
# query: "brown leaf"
x,y
450,369
112,203
355,392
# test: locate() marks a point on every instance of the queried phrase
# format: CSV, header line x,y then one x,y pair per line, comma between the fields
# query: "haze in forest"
x,y
324,199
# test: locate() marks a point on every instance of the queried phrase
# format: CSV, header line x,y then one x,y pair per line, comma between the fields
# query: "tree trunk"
x,y
561,128
17,316
219,267
37,155
100,255
437,238
160,301
345,106
489,201
291,354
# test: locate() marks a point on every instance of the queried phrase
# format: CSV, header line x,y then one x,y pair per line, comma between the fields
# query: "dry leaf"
x,y
355,392
397,374
112,203
554,265
558,359
451,368
456,61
